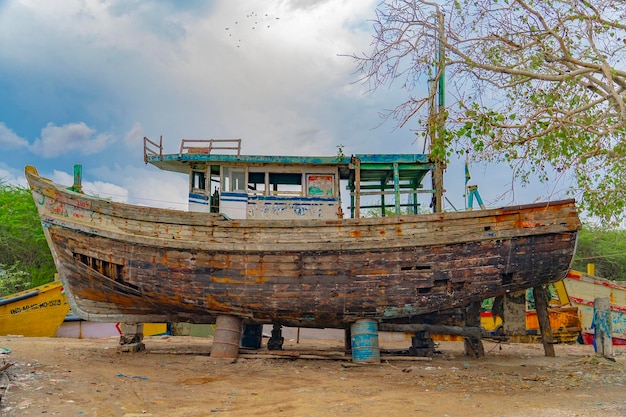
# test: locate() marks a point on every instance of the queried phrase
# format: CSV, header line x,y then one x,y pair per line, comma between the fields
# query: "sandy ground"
x,y
176,377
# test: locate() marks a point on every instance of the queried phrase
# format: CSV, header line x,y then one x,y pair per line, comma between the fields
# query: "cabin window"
x,y
285,183
198,180
234,179
320,185
256,183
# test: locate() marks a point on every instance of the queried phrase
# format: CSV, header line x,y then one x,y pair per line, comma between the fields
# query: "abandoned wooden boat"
x,y
266,241
583,288
36,312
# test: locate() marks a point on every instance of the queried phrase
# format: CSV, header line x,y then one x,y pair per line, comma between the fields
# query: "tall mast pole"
x,y
437,125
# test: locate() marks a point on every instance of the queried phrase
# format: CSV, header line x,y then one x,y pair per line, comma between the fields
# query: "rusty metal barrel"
x,y
227,337
364,341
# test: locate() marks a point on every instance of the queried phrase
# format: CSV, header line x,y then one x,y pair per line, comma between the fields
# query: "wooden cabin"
x,y
223,180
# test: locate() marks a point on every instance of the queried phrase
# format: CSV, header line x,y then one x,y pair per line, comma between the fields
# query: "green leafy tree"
x,y
24,254
537,84
13,280
605,248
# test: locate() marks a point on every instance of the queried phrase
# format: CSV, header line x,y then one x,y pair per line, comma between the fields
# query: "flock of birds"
x,y
252,22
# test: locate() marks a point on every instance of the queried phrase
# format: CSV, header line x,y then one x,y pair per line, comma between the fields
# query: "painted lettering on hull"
x,y
36,306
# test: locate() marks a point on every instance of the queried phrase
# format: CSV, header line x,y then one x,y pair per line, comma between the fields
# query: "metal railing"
x,y
209,145
152,149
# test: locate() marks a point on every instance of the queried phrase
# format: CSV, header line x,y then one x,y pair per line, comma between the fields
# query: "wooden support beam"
x,y
347,340
603,343
514,313
472,344
541,306
432,329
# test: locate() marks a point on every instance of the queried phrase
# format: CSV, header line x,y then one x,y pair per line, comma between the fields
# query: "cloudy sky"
x,y
83,81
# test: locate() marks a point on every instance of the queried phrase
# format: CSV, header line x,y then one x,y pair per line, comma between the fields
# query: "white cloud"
x,y
143,185
12,176
267,85
95,188
135,135
263,84
195,69
10,140
107,190
165,190
56,140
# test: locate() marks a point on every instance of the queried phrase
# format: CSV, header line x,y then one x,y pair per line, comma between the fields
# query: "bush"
x,y
13,280
24,252
605,248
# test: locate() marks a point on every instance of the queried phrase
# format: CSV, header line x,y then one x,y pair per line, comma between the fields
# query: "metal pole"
x,y
439,128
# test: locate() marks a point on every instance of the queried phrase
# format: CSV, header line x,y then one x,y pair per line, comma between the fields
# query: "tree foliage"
x,y
24,254
538,84
605,248
13,280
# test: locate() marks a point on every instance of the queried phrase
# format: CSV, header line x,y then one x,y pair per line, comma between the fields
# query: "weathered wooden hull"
x,y
37,312
128,263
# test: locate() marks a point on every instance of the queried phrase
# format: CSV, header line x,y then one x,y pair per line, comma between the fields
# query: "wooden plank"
x,y
432,329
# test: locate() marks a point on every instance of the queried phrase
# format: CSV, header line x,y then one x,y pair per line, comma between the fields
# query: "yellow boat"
x,y
37,312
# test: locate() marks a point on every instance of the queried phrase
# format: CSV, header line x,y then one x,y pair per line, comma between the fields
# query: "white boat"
x,y
583,288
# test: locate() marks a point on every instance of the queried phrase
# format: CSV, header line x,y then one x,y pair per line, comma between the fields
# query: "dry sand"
x,y
176,377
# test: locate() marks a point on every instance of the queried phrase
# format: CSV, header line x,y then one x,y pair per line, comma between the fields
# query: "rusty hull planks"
x,y
302,285
127,263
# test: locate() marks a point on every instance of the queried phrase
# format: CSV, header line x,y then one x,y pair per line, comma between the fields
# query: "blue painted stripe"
x,y
291,160
5,301
292,204
229,194
198,199
234,197
291,199
197,196
200,202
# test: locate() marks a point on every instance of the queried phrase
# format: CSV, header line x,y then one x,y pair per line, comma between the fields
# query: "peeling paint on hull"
x,y
138,264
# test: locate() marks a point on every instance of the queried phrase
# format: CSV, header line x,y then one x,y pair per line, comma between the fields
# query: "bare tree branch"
x,y
537,84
